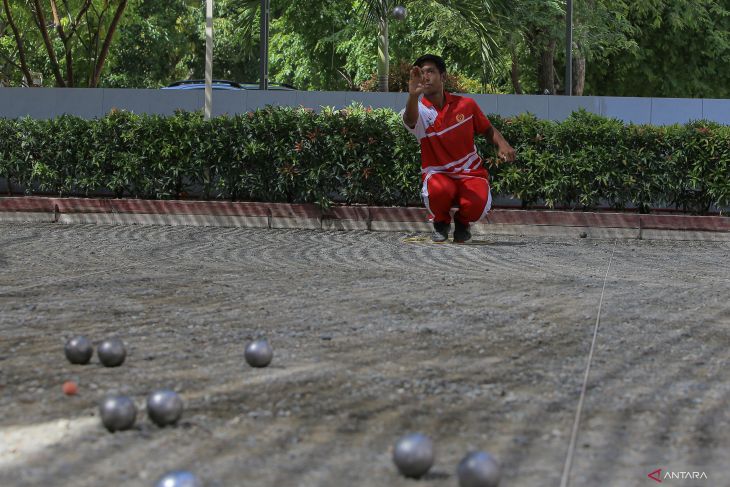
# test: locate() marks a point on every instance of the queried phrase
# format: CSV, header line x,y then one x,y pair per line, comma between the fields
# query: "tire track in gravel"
x,y
336,249
658,260
65,251
351,250
166,254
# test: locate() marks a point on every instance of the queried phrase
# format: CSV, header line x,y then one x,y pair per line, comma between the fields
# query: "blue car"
x,y
219,84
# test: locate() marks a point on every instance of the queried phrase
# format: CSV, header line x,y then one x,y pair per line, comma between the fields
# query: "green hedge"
x,y
359,155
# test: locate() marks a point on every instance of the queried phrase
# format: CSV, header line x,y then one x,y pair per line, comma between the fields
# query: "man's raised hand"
x,y
415,83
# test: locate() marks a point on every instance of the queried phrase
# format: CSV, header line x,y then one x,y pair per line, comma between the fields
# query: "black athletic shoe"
x,y
461,232
440,231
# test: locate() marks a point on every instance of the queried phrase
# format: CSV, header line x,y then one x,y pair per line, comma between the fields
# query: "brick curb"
x,y
373,218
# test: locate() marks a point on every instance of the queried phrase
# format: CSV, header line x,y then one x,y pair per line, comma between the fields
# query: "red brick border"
x,y
82,205
564,218
294,210
398,214
217,208
357,213
26,204
310,212
686,222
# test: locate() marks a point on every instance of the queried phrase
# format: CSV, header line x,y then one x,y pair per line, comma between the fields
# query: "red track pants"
x,y
471,194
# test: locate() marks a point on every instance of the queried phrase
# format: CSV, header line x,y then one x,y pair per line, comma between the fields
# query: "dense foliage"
x,y
671,48
359,155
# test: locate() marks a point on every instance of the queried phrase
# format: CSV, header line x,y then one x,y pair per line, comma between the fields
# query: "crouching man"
x,y
453,173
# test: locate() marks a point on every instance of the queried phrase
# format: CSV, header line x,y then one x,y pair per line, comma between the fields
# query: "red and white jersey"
x,y
447,136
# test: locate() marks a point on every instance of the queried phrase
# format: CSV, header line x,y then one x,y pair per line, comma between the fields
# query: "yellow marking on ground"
x,y
427,240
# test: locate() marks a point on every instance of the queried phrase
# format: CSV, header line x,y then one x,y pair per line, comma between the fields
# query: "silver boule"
x,y
413,455
178,478
164,407
111,352
400,12
258,353
118,413
478,469
78,350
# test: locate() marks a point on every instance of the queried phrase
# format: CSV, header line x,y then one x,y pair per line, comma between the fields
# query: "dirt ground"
x,y
477,346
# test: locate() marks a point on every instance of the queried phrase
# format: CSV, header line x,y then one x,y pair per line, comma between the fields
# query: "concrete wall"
x,y
92,103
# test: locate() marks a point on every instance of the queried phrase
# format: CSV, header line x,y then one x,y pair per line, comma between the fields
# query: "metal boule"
x,y
164,407
258,353
400,12
118,413
78,350
413,455
478,469
111,352
178,478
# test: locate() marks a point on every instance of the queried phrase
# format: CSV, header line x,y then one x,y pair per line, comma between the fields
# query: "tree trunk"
x,y
545,69
41,22
515,74
579,74
107,43
19,42
66,45
383,59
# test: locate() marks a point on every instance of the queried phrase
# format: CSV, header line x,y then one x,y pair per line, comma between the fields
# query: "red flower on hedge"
x,y
703,130
289,170
371,140
312,135
367,172
298,146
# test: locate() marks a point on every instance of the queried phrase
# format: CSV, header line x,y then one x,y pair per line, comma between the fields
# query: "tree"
x,y
236,40
601,29
535,36
479,16
377,12
333,49
682,50
313,51
621,47
15,49
76,36
485,18
155,43
534,29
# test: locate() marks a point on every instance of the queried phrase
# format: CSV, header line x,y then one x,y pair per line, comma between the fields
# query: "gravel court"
x,y
477,346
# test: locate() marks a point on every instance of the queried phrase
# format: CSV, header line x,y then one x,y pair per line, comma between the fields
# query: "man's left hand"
x,y
506,153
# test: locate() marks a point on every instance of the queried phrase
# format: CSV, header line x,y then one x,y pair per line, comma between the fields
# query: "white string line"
x,y
576,422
